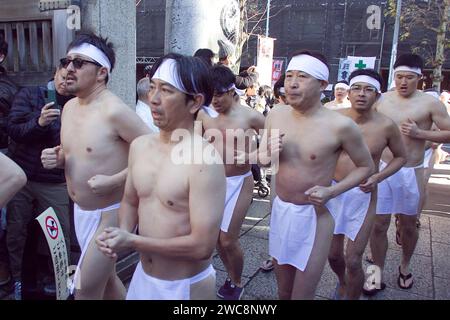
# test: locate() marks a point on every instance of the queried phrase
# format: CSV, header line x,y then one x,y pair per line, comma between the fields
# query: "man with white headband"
x,y
312,137
357,211
236,124
340,97
177,207
96,131
414,112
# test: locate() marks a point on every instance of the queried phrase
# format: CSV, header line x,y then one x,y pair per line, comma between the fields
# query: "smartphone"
x,y
50,96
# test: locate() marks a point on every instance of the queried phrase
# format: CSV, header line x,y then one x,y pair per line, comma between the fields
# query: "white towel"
x,y
351,210
399,193
234,186
292,232
145,287
86,224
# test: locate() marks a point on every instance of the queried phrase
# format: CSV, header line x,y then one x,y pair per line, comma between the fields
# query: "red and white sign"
x,y
277,69
51,227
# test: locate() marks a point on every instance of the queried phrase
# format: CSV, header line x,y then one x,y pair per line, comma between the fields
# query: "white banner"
x,y
351,63
264,61
55,238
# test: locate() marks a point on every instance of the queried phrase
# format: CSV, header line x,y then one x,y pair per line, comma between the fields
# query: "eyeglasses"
x,y
357,89
77,62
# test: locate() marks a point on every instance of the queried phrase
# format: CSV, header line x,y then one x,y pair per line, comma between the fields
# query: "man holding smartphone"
x,y
33,125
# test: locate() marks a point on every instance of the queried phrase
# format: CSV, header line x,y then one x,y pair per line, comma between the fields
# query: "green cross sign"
x,y
360,65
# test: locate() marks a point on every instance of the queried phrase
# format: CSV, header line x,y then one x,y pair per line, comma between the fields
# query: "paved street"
x,y
430,262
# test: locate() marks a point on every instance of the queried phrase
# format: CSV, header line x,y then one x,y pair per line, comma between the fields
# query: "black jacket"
x,y
28,138
7,91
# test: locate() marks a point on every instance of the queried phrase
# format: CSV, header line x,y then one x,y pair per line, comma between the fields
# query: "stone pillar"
x,y
116,20
194,24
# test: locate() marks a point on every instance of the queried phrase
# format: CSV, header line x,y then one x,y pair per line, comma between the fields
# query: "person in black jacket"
x,y
33,126
7,91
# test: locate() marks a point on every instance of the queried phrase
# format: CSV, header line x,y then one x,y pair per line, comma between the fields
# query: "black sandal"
x,y
404,278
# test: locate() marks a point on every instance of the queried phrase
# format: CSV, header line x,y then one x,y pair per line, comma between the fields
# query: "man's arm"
x,y
396,146
353,144
12,179
439,117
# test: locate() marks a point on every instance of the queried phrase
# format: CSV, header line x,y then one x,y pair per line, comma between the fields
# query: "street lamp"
x,y
268,17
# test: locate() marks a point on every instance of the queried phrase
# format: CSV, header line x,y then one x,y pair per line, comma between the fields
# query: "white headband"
x,y
310,65
239,92
341,85
367,79
410,69
282,90
167,72
94,53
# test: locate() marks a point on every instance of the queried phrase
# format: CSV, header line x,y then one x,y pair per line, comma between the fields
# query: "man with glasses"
x,y
243,123
96,132
357,211
414,112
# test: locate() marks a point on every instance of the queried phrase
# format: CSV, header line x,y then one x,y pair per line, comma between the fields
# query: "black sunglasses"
x,y
77,62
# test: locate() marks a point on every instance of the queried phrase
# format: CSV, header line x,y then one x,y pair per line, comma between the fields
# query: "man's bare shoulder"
x,y
383,122
338,120
329,104
144,142
113,105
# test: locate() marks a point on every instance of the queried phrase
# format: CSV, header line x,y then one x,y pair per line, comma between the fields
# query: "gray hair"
x,y
143,87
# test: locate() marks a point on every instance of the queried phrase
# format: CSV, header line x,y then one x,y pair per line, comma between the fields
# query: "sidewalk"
x,y
430,263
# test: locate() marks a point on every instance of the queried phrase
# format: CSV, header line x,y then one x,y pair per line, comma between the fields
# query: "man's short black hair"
x,y
97,41
3,46
314,54
367,72
206,55
277,86
194,75
223,78
410,60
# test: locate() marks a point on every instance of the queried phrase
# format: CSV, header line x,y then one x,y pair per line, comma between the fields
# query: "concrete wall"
x,y
116,19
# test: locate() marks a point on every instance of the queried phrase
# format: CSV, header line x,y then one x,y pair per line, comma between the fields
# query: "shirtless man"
x,y
178,207
302,220
414,112
340,97
12,179
96,131
356,218
244,121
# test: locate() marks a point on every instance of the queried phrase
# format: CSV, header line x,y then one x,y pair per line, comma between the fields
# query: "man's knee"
x,y
381,227
335,257
353,263
226,242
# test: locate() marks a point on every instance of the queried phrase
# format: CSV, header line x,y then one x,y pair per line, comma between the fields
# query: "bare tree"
x,y
253,15
430,17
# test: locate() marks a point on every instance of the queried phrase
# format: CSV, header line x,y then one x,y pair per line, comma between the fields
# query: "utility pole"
x,y
268,17
395,42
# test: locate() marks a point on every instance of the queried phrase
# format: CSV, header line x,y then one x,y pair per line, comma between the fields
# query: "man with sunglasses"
x,y
242,122
357,211
96,132
414,112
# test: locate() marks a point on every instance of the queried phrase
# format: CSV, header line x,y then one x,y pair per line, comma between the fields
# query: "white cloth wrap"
x,y
94,53
367,79
234,187
310,65
427,157
351,211
293,230
145,287
409,69
399,193
86,224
